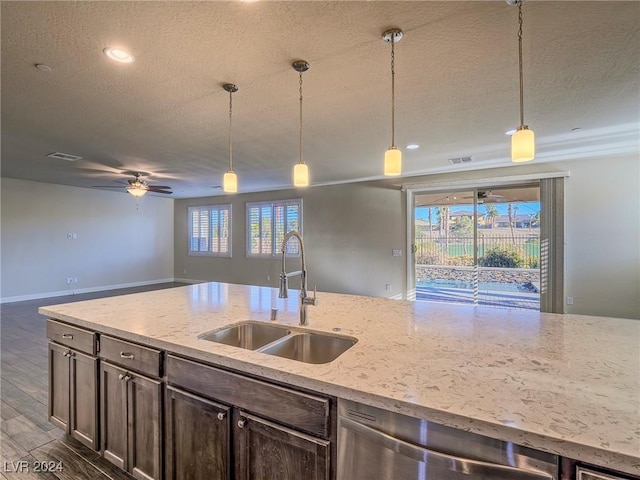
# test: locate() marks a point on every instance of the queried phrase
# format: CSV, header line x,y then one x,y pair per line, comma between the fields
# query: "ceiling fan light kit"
x,y
393,156
523,145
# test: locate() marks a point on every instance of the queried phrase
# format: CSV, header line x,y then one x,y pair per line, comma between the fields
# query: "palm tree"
x,y
492,213
510,213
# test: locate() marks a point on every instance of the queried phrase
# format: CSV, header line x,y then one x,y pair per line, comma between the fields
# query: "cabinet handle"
x,y
221,415
242,423
67,353
121,376
128,356
124,377
67,335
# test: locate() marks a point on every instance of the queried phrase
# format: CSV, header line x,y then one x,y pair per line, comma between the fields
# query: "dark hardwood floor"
x,y
27,439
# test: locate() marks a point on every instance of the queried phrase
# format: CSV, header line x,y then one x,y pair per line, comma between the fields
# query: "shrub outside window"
x,y
210,230
267,224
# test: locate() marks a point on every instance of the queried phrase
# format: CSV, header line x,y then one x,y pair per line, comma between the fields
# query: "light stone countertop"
x,y
566,384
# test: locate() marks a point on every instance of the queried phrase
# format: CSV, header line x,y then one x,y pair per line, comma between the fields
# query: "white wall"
x,y
117,245
349,234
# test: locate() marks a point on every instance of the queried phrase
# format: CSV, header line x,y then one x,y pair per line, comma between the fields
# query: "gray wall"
x,y
117,245
349,234
603,237
350,231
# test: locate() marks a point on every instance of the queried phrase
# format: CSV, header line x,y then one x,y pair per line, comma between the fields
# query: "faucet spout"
x,y
284,290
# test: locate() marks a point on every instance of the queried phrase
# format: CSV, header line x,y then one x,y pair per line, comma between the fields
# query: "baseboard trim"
x,y
75,291
190,280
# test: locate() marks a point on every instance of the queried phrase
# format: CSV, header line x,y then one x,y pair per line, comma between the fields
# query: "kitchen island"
x,y
564,384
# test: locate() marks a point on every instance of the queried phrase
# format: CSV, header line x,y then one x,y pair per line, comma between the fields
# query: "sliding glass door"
x,y
478,246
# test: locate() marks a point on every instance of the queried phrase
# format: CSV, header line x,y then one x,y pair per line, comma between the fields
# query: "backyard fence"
x,y
515,251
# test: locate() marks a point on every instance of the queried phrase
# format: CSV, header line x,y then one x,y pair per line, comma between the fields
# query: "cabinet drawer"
x,y
303,411
74,337
131,356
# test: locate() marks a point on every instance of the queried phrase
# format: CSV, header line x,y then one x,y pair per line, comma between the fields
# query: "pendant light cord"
x,y
301,160
520,62
393,92
230,134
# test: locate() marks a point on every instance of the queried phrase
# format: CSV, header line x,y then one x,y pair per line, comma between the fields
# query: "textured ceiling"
x,y
167,114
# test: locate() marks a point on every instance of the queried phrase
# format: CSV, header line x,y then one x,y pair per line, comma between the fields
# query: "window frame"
x,y
275,246
218,208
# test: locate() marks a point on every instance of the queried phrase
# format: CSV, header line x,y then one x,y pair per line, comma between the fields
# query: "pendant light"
x,y
393,156
523,145
300,169
230,179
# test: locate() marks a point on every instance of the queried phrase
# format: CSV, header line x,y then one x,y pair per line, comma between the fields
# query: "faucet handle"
x,y
309,300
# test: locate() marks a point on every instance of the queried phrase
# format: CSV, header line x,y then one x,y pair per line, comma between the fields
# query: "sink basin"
x,y
310,347
249,335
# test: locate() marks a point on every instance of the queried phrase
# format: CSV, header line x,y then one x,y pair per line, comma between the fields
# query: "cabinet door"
x,y
144,425
267,451
198,438
59,386
83,422
113,414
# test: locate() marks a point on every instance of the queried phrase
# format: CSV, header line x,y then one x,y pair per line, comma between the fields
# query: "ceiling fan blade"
x,y
159,186
151,189
106,186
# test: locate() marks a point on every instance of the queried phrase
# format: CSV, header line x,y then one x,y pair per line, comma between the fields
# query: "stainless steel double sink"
x,y
282,341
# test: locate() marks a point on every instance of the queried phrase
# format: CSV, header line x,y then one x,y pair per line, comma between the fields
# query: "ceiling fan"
x,y
488,195
138,187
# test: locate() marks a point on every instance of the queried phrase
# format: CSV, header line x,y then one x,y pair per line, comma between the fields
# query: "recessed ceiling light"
x,y
412,146
510,132
118,55
43,67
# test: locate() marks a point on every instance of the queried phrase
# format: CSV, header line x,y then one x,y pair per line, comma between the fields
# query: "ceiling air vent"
x,y
64,156
458,160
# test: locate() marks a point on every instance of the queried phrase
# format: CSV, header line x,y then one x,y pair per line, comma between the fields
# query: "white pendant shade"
x,y
301,175
230,182
523,145
393,162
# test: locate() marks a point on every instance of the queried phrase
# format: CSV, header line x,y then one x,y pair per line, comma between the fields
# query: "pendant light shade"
x,y
230,179
393,156
523,145
230,182
393,162
300,175
300,169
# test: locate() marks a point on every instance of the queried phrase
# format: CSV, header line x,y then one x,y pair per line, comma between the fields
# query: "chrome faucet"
x,y
284,290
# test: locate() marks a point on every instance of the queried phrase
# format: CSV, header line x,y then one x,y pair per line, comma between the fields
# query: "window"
x,y
210,230
267,223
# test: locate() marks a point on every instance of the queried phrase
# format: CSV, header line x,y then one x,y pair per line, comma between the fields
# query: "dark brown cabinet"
x,y
73,384
198,433
244,428
265,450
131,421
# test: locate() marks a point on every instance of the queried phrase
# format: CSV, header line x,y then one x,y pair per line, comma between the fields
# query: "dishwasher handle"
x,y
443,460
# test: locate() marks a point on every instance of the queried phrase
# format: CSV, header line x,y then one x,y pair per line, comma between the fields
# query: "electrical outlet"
x,y
268,277
569,300
387,287
397,253
69,280
75,279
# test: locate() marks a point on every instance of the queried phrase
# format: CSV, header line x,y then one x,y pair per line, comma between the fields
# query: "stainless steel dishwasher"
x,y
375,444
